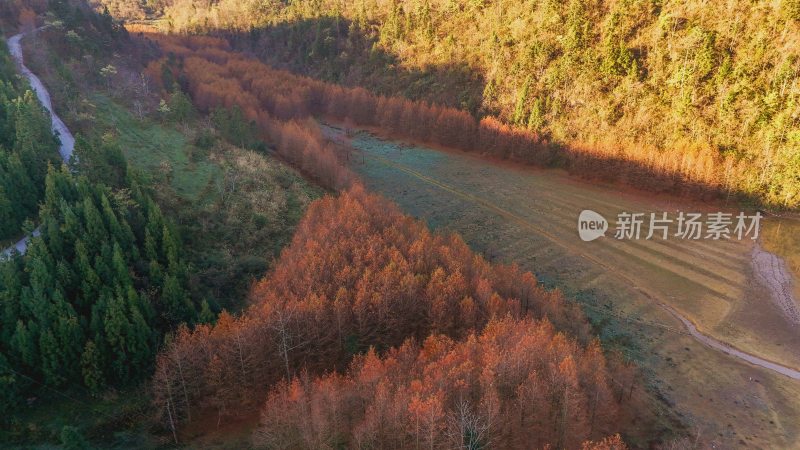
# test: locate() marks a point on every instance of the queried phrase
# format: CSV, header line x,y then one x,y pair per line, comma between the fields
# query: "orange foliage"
x,y
218,78
286,96
609,443
134,28
303,145
358,275
153,72
27,19
518,384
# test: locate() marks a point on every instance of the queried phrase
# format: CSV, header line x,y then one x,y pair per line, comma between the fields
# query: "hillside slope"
x,y
712,82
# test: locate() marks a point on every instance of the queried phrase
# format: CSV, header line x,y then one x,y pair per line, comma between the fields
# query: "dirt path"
x,y
772,272
729,350
717,266
58,126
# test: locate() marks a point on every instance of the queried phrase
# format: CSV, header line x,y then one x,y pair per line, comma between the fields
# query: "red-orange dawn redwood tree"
x,y
286,96
517,384
359,275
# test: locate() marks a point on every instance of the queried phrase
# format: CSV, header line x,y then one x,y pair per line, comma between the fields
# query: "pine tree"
x,y
34,141
120,267
50,354
116,329
20,189
177,309
170,249
206,315
23,344
69,335
95,227
180,107
92,367
139,338
522,104
11,387
8,219
10,293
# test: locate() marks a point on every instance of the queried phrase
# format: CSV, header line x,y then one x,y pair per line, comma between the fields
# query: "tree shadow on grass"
x,y
337,50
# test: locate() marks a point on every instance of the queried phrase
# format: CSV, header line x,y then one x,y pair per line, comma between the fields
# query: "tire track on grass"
x,y
668,255
691,328
672,258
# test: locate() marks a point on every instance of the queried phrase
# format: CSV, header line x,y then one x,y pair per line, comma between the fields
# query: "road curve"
x,y
727,349
59,128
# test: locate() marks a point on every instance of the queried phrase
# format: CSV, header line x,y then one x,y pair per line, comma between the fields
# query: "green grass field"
x,y
149,144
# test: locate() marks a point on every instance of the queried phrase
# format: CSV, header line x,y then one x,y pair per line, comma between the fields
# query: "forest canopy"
x,y
361,286
279,103
89,301
709,91
369,330
27,146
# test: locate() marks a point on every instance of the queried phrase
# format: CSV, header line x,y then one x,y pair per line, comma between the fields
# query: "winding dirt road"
x,y
58,126
729,350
